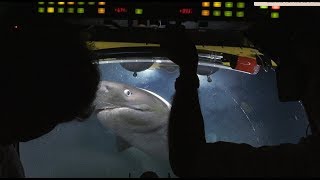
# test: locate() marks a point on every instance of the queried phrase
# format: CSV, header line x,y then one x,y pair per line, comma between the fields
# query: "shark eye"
x,y
127,92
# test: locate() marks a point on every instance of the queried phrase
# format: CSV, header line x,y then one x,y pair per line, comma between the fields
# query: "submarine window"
x,y
128,135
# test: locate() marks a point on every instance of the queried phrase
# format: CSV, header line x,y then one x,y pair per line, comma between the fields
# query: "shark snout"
x,y
104,88
109,86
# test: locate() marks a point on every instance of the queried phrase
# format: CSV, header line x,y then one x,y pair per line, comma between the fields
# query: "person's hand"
x,y
179,48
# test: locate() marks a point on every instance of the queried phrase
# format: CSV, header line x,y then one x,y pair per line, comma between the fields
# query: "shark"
x,y
138,117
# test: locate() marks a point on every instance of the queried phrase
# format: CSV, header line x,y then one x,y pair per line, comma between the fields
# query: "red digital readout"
x,y
186,11
120,10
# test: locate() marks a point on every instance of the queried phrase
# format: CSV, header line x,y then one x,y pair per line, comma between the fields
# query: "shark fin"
x,y
122,144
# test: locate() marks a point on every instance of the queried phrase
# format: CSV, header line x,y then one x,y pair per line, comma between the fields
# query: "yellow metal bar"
x,y
108,45
244,52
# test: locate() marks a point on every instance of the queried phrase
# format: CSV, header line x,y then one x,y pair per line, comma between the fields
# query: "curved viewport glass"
x,y
127,134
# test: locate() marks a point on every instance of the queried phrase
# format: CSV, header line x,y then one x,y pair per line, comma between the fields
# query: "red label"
x,y
246,64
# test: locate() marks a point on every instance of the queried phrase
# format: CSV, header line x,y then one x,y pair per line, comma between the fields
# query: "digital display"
x,y
186,11
120,10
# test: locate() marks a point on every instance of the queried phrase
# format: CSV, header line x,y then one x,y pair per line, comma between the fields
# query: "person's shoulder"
x,y
10,164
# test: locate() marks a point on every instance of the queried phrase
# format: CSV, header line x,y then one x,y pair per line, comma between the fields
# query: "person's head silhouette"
x,y
48,76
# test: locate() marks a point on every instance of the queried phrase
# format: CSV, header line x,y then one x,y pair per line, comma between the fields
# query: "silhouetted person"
x,y
191,156
48,77
149,174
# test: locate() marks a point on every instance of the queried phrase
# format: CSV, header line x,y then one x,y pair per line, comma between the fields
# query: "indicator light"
x,y
41,10
138,11
51,3
50,10
80,3
216,4
205,12
101,10
240,5
240,14
228,4
91,3
274,15
60,10
263,7
205,4
70,10
216,13
60,3
41,3
228,13
70,3
80,10
101,3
